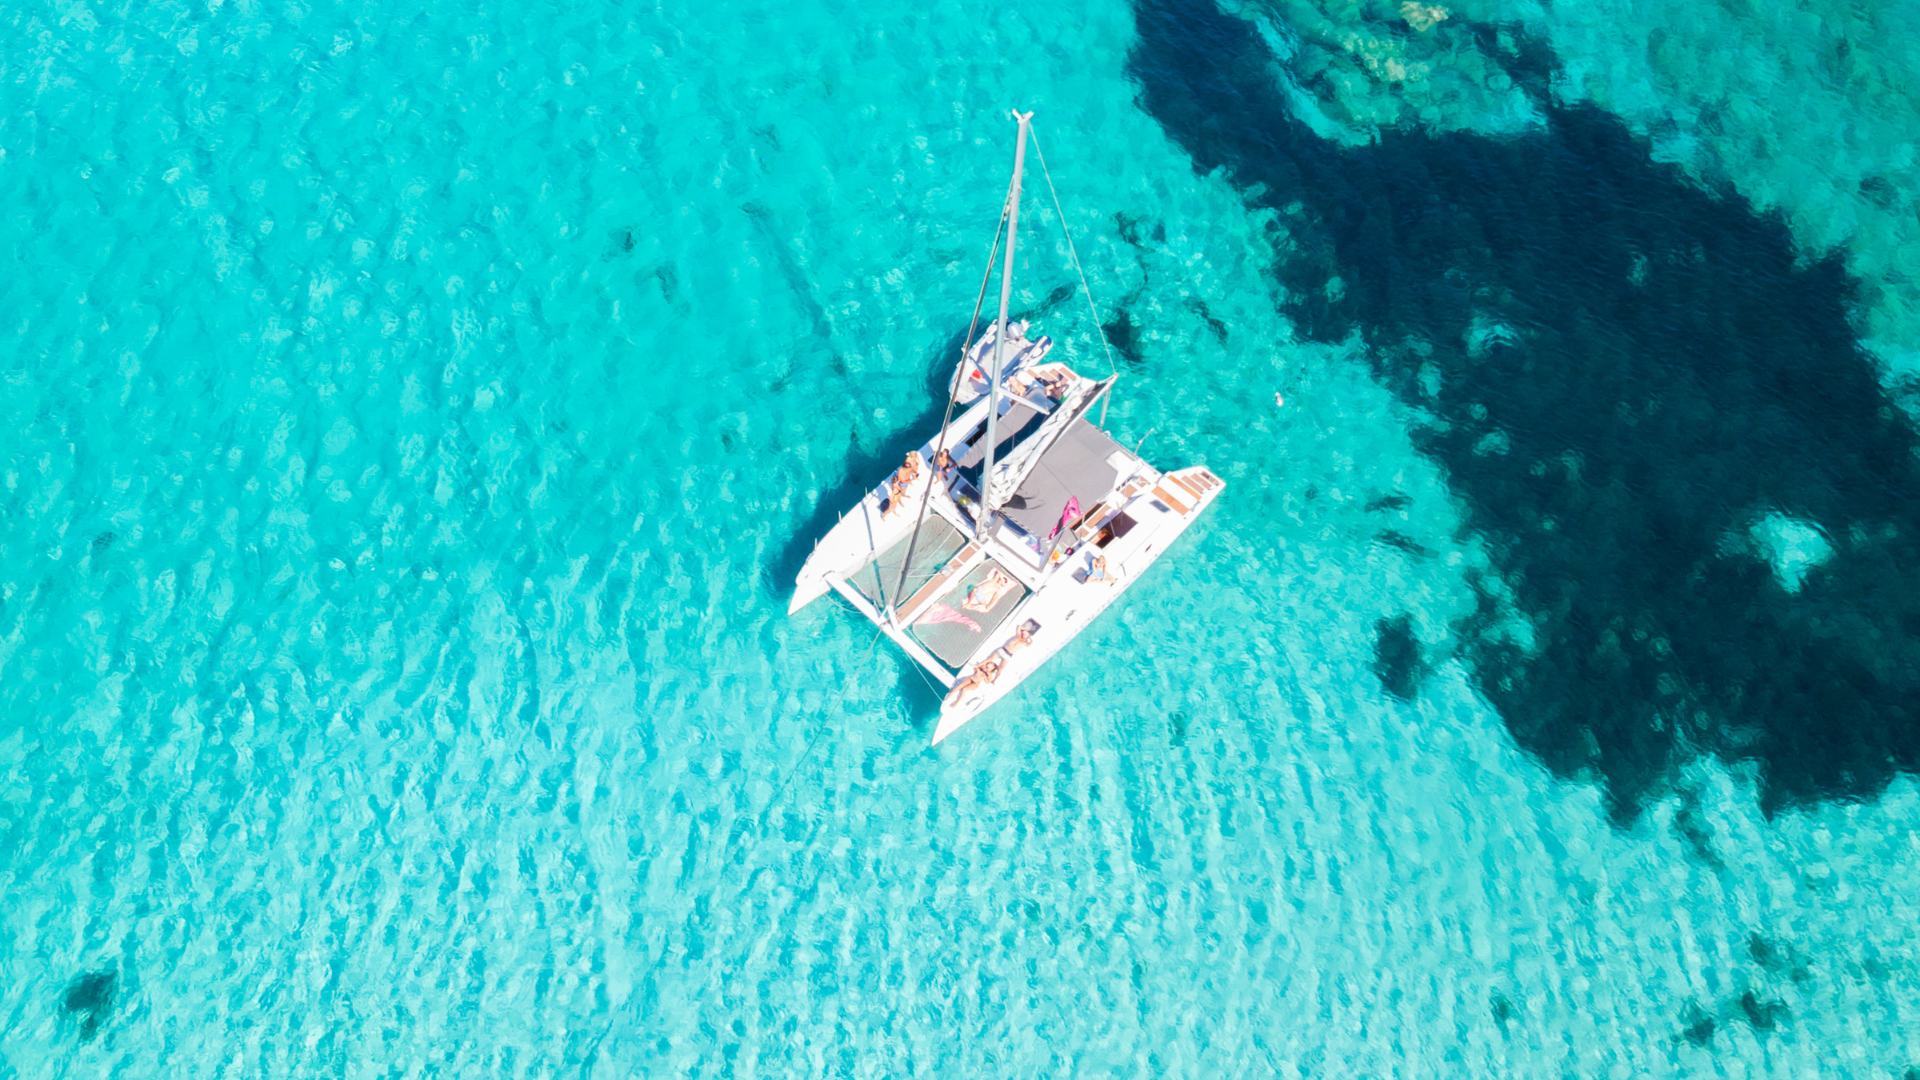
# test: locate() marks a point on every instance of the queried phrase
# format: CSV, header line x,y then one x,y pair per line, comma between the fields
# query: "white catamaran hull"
x,y
867,530
1163,510
991,560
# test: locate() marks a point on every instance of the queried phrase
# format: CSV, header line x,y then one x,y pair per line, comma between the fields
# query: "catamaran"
x,y
1009,531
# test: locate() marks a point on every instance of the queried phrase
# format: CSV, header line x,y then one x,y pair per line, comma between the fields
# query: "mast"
x,y
981,520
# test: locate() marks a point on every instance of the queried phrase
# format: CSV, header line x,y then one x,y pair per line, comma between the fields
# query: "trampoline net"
x,y
952,631
879,581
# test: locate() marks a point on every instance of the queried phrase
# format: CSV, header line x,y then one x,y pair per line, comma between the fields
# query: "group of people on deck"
x,y
900,489
990,590
1020,355
1054,379
986,671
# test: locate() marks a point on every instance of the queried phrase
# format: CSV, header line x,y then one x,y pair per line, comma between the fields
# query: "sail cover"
x,y
1010,473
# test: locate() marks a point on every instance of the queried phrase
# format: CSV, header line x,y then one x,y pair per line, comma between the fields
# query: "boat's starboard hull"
x,y
1069,605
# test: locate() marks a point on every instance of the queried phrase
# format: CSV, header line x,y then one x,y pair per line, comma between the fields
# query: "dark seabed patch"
x,y
1400,541
1129,228
89,999
1694,828
1124,336
1626,373
1762,1014
1697,1027
1775,959
1396,656
1199,307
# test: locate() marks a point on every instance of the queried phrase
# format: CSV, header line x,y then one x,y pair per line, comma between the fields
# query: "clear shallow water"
x,y
415,420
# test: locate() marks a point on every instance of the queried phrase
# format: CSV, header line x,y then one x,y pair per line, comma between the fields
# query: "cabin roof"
x,y
1080,465
1019,418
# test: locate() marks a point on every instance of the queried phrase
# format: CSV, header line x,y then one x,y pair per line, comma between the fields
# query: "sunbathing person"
x,y
1021,638
980,678
988,592
964,686
909,469
943,466
1097,572
1052,379
896,498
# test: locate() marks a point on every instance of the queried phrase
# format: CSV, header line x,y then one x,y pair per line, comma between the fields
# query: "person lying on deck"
x,y
980,678
1054,379
988,592
896,498
1021,638
965,685
909,469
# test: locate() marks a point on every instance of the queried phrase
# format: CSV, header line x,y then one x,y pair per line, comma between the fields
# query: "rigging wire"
x,y
780,788
953,394
1085,289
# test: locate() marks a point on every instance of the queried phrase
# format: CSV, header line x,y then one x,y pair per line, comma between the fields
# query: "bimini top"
x,y
1081,465
1019,418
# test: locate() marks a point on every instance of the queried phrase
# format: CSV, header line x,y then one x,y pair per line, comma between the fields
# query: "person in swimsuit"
x,y
962,687
988,592
902,477
1022,638
982,675
1098,571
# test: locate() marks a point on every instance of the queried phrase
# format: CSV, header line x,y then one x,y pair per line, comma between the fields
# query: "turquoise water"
x,y
416,415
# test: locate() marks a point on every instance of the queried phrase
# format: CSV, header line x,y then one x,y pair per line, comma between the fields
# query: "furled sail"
x,y
1010,473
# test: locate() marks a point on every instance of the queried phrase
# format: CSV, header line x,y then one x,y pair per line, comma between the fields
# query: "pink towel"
x,y
941,613
1072,511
